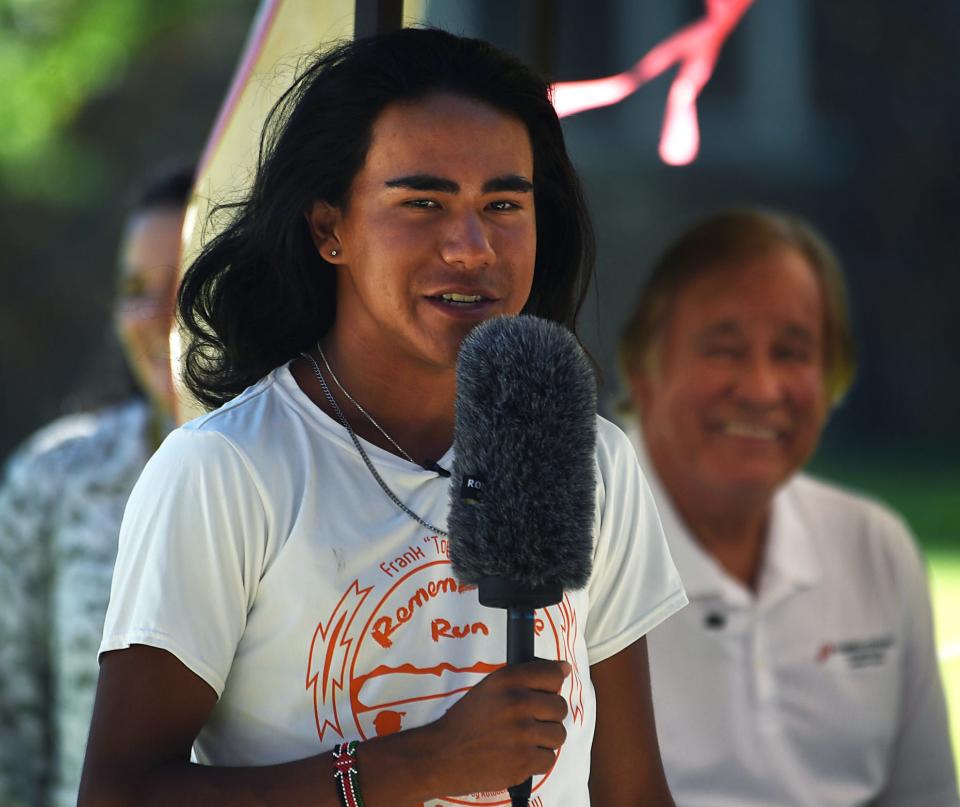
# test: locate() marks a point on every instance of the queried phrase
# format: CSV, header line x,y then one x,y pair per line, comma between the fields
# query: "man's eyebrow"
x,y
799,333
728,328
511,183
424,182
720,329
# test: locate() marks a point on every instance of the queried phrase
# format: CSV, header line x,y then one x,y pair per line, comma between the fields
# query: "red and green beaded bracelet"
x,y
345,773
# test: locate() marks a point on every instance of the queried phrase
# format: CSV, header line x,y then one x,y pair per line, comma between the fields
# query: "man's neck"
x,y
415,411
731,526
736,538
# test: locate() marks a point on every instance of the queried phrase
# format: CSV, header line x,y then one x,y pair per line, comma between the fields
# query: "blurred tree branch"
x,y
55,55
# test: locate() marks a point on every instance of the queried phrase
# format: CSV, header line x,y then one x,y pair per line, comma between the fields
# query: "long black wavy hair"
x,y
259,292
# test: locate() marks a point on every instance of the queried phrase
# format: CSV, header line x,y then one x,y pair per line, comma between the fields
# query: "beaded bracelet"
x,y
345,774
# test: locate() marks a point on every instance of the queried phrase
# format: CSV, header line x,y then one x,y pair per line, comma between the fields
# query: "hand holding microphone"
x,y
505,729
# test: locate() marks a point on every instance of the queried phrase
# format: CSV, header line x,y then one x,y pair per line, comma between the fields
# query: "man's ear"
x,y
323,220
641,389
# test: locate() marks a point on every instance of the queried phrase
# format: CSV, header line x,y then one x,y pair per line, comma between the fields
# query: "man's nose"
x,y
467,243
759,382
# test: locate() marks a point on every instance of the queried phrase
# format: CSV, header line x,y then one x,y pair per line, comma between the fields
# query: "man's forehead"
x,y
779,281
444,134
704,321
444,105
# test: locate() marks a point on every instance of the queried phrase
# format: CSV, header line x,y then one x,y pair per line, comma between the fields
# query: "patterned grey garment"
x,y
61,503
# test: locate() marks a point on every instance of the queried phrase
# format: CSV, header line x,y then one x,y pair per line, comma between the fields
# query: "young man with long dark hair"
x,y
283,601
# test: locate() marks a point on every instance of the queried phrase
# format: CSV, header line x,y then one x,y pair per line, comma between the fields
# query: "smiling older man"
x,y
804,670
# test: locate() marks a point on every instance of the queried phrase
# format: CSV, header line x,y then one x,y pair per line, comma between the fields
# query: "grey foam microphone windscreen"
x,y
523,478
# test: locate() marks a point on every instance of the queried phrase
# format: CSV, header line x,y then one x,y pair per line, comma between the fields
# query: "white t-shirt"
x,y
258,549
821,689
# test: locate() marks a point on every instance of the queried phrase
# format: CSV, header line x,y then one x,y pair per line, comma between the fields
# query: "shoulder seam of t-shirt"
x,y
200,423
248,465
667,607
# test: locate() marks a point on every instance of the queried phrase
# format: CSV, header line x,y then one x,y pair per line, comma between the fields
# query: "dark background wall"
x,y
847,113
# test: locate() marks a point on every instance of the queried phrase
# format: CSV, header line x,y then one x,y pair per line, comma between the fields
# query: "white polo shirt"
x,y
821,689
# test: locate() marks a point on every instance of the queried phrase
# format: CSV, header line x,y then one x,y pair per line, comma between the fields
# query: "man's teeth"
x,y
452,297
750,430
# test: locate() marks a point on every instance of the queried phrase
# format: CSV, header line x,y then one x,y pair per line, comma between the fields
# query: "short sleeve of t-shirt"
x,y
634,585
195,522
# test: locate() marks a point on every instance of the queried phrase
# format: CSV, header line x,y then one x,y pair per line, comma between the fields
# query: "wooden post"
x,y
377,17
539,27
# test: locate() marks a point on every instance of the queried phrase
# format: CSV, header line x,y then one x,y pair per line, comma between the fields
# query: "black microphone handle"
x,y
520,635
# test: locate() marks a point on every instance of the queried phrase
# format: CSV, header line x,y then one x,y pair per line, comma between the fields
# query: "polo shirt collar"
x,y
790,562
791,551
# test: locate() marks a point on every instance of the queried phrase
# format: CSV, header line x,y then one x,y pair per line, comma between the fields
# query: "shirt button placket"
x,y
764,685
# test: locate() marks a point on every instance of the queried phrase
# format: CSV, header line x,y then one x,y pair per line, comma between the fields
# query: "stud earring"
x,y
333,253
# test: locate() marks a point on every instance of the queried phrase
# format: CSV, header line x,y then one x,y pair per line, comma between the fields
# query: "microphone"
x,y
522,495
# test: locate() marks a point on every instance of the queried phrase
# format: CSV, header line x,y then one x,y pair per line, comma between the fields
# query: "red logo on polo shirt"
x,y
871,651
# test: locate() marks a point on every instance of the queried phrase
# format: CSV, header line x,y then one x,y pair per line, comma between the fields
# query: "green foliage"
x,y
55,55
924,493
945,583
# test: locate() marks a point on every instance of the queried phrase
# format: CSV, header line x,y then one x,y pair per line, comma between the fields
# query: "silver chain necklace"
x,y
363,411
356,441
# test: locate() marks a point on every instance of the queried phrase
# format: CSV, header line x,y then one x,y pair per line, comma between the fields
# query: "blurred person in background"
x,y
804,670
61,502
